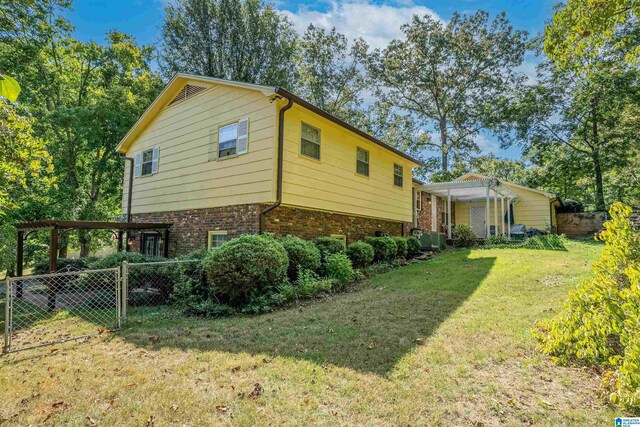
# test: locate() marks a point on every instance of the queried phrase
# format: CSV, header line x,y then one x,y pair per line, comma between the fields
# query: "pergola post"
x,y
449,213
486,211
509,207
495,212
53,267
19,262
120,240
502,213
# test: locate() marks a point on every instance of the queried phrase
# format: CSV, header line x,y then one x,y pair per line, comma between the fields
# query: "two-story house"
x,y
218,159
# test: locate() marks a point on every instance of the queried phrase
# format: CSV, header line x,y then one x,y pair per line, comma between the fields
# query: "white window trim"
x,y
394,175
242,140
212,233
368,162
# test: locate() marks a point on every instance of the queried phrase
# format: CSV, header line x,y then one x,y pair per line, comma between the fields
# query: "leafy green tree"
x,y
584,112
581,27
330,72
445,75
243,40
86,96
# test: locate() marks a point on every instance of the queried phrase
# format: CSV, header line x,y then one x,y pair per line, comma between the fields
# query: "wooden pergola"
x,y
56,226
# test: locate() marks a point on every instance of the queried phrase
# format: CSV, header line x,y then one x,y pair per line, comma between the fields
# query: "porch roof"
x,y
469,191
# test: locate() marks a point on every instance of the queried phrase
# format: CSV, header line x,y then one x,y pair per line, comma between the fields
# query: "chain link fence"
x,y
150,284
62,306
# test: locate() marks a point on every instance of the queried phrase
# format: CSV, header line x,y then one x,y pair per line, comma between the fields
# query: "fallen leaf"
x,y
153,340
235,369
257,391
372,346
174,408
90,422
419,341
222,408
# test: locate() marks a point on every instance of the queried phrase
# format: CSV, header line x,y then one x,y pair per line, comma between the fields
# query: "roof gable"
x,y
474,175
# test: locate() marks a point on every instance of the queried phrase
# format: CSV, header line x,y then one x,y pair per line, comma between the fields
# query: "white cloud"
x,y
378,24
487,145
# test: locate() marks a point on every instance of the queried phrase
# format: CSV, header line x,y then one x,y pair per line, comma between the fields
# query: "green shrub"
x,y
307,285
250,264
328,246
207,309
360,253
115,260
463,236
497,240
339,268
191,287
384,248
414,247
600,323
302,254
401,244
259,303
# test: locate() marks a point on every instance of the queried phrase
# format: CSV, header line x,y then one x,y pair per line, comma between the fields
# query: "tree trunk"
x,y
85,244
597,166
444,145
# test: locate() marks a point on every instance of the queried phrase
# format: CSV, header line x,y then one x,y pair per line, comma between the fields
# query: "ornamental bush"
x,y
302,255
600,322
384,248
401,244
328,246
250,264
64,264
413,247
360,253
463,236
339,268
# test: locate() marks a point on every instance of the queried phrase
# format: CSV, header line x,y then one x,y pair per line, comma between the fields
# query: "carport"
x,y
479,190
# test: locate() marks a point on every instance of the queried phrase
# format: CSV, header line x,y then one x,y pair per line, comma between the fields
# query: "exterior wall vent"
x,y
187,92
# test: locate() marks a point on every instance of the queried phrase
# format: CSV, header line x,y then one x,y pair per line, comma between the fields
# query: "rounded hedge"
x,y
401,244
384,248
248,264
302,255
329,245
361,254
413,247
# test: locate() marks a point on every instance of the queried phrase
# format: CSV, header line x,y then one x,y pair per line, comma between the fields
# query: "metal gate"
x,y
52,308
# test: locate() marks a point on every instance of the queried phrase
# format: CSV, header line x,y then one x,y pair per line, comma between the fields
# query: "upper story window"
x,y
146,163
310,142
232,140
398,174
362,162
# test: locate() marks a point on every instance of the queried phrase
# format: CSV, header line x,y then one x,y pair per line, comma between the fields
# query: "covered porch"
x,y
488,200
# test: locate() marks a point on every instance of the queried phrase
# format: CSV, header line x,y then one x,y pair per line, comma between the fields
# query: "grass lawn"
x,y
440,342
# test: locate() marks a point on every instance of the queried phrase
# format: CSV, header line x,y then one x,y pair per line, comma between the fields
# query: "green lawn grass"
x,y
440,342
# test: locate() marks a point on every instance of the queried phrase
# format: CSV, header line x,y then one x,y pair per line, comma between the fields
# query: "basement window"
x,y
216,239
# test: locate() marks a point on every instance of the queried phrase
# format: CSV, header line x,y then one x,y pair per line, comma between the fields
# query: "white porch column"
x,y
502,214
434,212
495,211
509,207
449,213
487,212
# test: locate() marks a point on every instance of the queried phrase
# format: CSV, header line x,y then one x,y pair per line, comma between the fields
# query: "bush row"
x,y
254,273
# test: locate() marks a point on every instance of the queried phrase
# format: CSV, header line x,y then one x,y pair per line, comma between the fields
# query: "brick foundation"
x,y
309,224
189,230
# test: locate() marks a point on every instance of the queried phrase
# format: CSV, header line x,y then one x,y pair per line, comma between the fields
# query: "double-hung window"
x,y
232,140
362,162
146,162
397,175
310,142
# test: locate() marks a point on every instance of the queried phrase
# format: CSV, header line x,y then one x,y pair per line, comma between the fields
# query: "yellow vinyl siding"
x,y
331,183
186,179
532,209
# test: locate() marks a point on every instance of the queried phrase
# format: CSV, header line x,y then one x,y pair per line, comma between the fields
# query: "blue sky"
x,y
377,21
